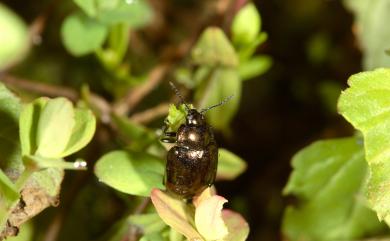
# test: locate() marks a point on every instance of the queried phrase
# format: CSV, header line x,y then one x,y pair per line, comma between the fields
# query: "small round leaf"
x,y
82,35
131,172
230,165
246,25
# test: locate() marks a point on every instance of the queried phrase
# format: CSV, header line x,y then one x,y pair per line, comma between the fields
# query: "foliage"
x,y
13,37
365,105
131,159
221,66
340,196
194,222
330,177
121,55
49,130
130,172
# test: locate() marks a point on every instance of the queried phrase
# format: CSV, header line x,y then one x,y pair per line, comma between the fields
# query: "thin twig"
x,y
54,227
37,87
134,96
102,106
35,31
134,231
148,115
36,28
141,207
38,25
170,55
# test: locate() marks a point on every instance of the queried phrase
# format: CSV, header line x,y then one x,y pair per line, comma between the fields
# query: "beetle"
x,y
192,162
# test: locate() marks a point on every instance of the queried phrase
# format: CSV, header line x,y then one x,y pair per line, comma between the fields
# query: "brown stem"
x,y
170,55
39,23
134,96
148,115
54,228
102,106
134,231
34,31
37,87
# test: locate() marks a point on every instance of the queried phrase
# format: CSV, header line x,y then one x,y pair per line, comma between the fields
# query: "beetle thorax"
x,y
195,118
193,136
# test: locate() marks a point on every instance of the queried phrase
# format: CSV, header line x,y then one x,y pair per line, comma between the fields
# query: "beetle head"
x,y
195,118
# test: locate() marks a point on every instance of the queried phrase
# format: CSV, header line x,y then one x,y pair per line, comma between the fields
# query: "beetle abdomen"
x,y
190,171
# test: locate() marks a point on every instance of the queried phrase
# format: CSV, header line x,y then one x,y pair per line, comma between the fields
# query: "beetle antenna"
x,y
179,95
220,103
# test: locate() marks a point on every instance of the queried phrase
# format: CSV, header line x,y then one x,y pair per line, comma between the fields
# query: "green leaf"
x,y
14,37
365,104
55,126
213,49
82,132
237,227
9,196
372,33
200,74
255,66
135,13
153,237
223,83
230,165
245,52
66,128
9,145
130,172
246,25
328,179
176,116
118,41
175,213
183,75
148,223
28,123
139,136
38,162
82,35
175,236
106,4
208,218
88,6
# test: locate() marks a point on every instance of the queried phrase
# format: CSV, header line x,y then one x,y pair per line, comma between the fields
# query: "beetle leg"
x,y
168,136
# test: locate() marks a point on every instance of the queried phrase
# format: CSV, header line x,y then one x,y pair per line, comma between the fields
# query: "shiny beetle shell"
x,y
192,162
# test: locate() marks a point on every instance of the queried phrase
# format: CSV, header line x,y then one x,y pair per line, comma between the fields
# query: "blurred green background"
x,y
314,51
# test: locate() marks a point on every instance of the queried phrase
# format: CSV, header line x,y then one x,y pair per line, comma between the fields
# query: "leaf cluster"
x,y
35,139
39,134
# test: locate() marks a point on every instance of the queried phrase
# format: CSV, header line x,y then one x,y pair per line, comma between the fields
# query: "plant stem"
x,y
23,178
150,114
97,101
134,96
134,231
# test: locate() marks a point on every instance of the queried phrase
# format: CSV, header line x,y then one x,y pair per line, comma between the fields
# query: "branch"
x,y
37,87
170,55
150,114
101,105
134,231
35,30
134,96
